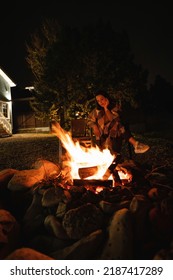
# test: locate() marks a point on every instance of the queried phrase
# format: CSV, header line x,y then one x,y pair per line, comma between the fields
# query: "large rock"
x,y
9,233
27,254
33,220
53,196
26,179
84,249
5,177
54,227
47,243
119,245
82,220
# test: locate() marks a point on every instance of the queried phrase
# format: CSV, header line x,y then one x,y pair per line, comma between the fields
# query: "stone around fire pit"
x,y
25,179
27,254
83,220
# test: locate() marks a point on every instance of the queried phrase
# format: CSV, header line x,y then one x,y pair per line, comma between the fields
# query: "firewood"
x,y
85,172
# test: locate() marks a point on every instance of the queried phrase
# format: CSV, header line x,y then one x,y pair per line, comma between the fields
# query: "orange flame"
x,y
83,157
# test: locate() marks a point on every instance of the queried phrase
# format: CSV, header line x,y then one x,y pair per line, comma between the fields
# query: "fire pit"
x,y
119,213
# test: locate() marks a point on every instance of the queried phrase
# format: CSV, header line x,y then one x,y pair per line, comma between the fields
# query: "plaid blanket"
x,y
107,128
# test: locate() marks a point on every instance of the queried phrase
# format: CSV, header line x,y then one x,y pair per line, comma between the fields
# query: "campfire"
x,y
90,164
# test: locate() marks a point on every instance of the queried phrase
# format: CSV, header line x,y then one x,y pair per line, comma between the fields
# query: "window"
x,y
5,109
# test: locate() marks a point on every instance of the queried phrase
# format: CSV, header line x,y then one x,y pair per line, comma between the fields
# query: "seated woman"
x,y
108,128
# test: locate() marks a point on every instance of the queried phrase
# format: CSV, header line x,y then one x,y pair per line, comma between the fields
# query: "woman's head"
x,y
101,98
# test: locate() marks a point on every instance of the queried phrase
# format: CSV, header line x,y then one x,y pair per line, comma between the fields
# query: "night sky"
x,y
148,24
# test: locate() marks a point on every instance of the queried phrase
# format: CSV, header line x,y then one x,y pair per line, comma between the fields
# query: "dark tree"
x,y
70,64
161,96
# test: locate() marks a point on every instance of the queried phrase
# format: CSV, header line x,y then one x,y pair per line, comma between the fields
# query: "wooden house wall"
x,y
24,119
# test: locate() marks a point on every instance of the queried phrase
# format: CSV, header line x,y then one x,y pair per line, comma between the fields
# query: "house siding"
x,y
5,104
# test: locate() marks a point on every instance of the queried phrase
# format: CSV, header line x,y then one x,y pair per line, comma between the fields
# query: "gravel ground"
x,y
20,151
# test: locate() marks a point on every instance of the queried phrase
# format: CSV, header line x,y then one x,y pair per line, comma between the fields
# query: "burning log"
x,y
85,172
93,182
112,169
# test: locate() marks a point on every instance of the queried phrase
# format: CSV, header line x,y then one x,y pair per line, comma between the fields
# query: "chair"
x,y
80,132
